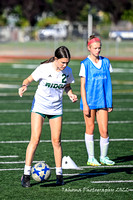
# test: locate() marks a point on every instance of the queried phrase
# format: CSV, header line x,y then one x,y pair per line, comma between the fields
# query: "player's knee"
x,y
104,133
56,142
35,141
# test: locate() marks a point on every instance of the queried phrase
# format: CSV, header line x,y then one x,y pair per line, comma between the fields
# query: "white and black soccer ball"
x,y
40,172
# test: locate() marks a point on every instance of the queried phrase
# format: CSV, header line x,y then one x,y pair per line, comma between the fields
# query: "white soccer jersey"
x,y
48,96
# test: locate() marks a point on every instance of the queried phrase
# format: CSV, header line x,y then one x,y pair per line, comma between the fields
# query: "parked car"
x,y
53,32
121,35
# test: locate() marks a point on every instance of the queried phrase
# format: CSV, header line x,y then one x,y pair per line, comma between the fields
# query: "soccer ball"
x,y
40,172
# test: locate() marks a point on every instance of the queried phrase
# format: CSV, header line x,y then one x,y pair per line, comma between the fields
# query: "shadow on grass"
x,y
123,159
87,175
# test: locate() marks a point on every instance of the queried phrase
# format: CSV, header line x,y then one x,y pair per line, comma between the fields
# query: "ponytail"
x,y
61,52
49,60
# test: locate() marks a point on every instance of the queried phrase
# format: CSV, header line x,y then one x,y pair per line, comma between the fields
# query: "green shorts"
x,y
48,116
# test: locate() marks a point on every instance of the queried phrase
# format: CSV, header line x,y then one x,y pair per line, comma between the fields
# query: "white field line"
x,y
10,75
15,169
23,66
64,123
123,100
9,156
16,101
120,70
65,110
88,174
79,167
27,66
30,101
8,86
118,181
47,141
80,174
32,93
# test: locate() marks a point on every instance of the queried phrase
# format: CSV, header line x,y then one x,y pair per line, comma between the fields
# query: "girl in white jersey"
x,y
54,76
96,99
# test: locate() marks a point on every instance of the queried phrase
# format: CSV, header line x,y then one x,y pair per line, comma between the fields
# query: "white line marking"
x,y
86,174
8,156
8,86
65,123
80,168
119,70
30,101
118,181
130,190
65,110
116,93
106,166
16,101
78,140
23,66
10,75
123,100
15,169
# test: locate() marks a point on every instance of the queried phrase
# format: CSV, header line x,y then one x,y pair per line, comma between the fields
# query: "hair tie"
x,y
94,40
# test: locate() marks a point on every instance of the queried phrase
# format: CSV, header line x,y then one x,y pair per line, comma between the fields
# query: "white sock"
x,y
104,143
27,170
89,141
58,170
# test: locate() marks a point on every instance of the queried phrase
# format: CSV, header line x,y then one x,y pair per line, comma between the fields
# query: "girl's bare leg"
x,y
56,127
102,120
36,128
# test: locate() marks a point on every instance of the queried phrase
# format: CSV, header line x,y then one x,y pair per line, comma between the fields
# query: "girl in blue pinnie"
x,y
96,99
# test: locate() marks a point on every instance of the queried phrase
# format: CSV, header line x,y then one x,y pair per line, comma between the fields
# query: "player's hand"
x,y
22,90
86,110
110,109
73,98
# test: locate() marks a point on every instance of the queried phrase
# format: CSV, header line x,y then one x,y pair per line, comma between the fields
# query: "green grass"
x,y
83,184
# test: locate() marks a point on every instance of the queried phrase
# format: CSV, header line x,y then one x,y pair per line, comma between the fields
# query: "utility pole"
x,y
90,24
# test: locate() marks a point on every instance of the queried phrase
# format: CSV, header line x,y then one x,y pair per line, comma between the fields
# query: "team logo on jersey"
x,y
52,85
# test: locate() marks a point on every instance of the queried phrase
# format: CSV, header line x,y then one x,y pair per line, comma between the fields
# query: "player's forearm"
x,y
27,81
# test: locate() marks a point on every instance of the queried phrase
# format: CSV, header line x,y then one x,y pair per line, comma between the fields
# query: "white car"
x,y
121,35
53,32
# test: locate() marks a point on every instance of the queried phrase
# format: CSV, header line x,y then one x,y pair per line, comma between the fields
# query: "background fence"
x,y
77,48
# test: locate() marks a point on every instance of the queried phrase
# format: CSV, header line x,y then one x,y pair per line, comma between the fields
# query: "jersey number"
x,y
64,78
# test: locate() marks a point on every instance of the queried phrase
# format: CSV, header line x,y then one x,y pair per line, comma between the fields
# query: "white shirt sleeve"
x,y
37,73
82,70
110,68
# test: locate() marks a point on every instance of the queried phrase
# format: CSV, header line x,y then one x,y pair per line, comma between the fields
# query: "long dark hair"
x,y
60,52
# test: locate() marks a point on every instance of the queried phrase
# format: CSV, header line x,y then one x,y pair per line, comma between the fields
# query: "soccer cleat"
x,y
59,180
93,162
25,181
106,161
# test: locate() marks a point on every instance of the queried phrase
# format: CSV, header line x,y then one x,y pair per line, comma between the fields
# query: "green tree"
x,y
68,9
30,9
128,15
115,8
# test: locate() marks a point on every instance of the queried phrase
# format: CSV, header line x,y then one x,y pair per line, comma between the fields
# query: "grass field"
x,y
97,183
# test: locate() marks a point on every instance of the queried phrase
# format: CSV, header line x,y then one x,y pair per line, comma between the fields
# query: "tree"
x,y
30,9
114,7
68,9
